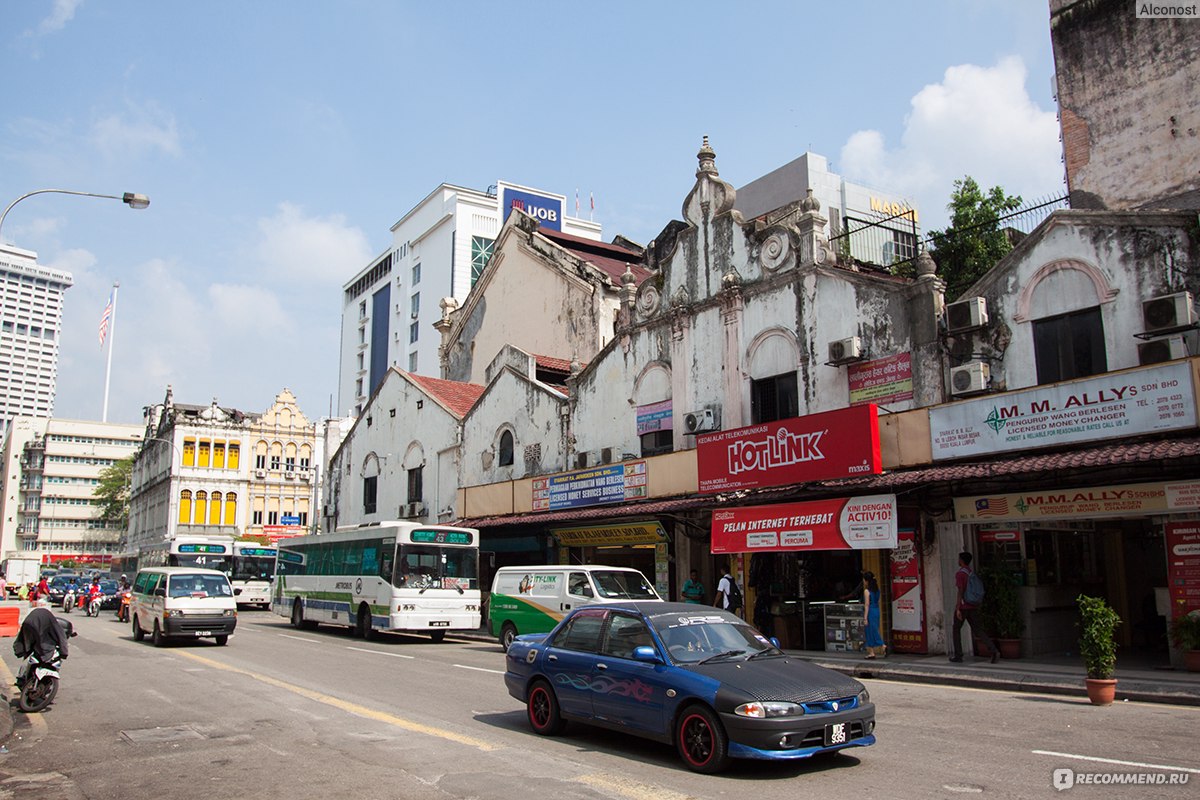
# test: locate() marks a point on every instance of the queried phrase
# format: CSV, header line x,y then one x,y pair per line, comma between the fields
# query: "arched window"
x,y
189,452
201,507
214,509
506,449
230,508
185,507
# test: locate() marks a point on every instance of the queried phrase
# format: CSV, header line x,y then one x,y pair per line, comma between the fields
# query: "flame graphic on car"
x,y
632,688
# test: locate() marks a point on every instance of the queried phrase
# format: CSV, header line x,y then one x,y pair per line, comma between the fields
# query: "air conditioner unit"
x,y
700,421
966,315
970,378
305,475
260,473
1168,313
409,510
289,475
1157,351
844,351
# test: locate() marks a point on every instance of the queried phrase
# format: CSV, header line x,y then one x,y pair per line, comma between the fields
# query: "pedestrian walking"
x,y
873,639
970,596
693,589
729,594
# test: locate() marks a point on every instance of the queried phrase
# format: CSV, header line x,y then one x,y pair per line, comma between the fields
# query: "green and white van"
x,y
534,599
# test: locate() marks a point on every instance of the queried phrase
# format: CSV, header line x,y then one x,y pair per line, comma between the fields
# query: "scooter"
x,y
93,606
123,605
37,680
68,601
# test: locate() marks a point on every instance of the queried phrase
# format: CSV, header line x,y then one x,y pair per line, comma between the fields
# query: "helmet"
x,y
124,577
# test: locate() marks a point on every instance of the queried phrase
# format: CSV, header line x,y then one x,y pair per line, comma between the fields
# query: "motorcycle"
x,y
68,601
123,605
37,680
94,605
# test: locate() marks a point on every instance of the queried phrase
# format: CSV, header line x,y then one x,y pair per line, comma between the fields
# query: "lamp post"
x,y
130,199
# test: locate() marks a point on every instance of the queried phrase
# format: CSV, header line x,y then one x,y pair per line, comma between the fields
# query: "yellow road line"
x,y
630,788
345,705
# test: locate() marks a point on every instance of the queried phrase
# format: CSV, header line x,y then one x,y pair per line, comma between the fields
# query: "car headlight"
x,y
172,612
228,612
863,697
764,710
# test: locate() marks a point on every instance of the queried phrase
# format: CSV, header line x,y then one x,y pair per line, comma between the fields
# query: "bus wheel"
x,y
437,636
297,614
362,622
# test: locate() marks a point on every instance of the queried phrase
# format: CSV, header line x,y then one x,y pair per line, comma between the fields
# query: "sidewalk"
x,y
1059,676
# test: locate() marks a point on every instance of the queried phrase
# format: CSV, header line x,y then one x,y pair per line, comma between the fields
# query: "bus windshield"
x,y
253,568
423,566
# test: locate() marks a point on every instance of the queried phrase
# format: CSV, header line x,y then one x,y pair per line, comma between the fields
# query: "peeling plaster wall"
x,y
429,430
537,430
1136,256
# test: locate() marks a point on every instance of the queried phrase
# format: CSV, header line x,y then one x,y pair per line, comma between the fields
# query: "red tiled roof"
x,y
457,396
610,259
556,364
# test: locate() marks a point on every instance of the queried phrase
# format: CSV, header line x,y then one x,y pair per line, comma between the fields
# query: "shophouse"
x,y
285,450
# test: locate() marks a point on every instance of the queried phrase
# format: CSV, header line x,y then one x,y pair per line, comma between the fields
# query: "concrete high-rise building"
x,y
438,250
50,471
31,303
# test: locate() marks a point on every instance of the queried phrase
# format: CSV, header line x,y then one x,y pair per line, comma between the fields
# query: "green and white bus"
x,y
251,571
381,576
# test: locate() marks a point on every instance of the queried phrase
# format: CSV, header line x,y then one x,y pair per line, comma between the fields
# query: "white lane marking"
x,y
481,669
300,638
379,652
1167,767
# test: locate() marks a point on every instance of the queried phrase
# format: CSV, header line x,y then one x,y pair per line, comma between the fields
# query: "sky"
x,y
280,141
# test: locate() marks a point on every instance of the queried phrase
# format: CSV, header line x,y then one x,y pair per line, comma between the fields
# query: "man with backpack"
x,y
966,609
729,594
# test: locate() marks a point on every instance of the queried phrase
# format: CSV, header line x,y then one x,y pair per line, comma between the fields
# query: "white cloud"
x,y
320,250
248,310
62,13
136,131
978,121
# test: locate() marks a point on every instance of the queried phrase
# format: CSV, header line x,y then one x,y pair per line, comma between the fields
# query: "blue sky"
x,y
279,141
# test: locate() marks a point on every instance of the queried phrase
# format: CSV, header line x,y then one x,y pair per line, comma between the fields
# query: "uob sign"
x,y
546,210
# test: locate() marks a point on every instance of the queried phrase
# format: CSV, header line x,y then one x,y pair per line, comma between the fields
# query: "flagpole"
x,y
112,329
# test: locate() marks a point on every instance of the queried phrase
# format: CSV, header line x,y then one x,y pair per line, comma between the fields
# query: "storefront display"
x,y
843,627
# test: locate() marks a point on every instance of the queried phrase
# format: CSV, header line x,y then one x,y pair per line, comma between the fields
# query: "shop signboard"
x,y
1183,566
883,380
826,446
1129,403
613,535
908,596
277,532
1135,499
654,417
842,523
547,209
614,483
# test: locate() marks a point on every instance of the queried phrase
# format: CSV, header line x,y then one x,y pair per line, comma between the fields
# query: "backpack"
x,y
973,594
735,595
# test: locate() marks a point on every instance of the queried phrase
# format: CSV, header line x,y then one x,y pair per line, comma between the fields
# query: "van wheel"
x,y
138,633
507,634
156,638
222,640
437,636
362,622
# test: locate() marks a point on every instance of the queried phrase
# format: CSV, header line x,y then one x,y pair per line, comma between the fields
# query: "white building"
x,y
439,249
30,325
50,472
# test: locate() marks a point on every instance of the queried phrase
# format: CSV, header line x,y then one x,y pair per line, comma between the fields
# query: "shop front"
x,y
640,545
1126,543
802,566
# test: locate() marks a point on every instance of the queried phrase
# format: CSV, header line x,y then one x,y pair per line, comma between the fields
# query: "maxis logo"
x,y
783,449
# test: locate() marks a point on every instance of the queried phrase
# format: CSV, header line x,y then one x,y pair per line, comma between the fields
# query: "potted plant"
x,y
1185,634
1098,648
1001,610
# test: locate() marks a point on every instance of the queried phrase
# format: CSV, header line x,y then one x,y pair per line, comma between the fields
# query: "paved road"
x,y
280,713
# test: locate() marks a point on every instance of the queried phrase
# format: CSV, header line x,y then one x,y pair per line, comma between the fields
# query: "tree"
x,y
974,241
113,493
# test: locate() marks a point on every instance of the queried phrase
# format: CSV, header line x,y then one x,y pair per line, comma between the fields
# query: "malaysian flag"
x,y
991,507
106,319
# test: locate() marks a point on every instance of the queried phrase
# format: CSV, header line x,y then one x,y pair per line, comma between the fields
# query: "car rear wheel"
x,y
138,633
701,740
544,715
507,634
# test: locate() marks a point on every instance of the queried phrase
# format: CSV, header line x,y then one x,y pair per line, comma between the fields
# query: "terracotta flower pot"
x,y
1191,660
1009,648
1101,691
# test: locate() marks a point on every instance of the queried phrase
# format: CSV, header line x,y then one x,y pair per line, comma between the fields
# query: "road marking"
x,y
378,652
629,788
300,638
1167,767
481,669
347,706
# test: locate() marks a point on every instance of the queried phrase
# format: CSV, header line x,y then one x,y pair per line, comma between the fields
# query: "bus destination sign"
x,y
202,548
442,537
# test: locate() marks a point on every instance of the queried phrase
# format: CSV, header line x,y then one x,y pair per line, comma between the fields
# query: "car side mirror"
x,y
775,642
647,654
160,592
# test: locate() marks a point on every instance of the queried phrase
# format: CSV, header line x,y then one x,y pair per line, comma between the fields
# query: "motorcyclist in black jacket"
x,y
42,633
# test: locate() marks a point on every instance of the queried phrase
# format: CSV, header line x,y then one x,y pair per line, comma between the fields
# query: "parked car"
x,y
696,677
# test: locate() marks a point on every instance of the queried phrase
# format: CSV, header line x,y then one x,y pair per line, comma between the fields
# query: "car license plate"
x,y
441,623
204,633
835,734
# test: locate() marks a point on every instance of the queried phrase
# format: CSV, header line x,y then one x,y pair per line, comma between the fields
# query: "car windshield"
x,y
623,585
108,587
708,634
199,586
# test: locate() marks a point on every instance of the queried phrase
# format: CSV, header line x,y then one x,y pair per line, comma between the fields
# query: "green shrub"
x,y
1185,631
1096,643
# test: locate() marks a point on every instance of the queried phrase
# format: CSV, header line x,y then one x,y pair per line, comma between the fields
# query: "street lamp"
x,y
130,199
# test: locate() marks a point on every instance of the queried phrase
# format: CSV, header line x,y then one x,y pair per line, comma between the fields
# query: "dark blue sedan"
x,y
693,676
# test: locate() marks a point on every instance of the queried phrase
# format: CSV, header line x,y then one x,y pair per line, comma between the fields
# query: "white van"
x,y
535,599
182,602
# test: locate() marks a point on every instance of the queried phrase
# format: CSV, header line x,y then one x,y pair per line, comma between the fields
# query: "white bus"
x,y
391,576
251,573
188,551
